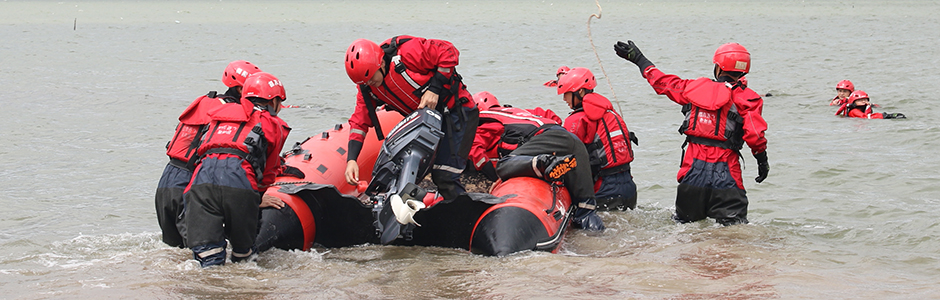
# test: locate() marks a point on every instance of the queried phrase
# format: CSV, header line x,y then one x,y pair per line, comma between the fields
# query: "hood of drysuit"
x,y
595,106
708,94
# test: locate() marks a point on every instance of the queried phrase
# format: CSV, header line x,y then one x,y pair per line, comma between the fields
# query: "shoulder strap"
x,y
371,104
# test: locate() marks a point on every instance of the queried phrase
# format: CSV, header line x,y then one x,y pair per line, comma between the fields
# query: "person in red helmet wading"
x,y
239,160
181,149
720,116
406,73
604,133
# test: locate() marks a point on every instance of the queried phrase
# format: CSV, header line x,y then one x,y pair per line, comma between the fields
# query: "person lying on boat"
x,y
859,106
182,151
407,73
532,143
502,129
605,134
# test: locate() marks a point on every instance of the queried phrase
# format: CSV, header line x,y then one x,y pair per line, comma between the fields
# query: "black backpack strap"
x,y
371,104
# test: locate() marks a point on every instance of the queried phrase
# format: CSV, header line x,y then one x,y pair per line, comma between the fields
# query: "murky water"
x,y
91,91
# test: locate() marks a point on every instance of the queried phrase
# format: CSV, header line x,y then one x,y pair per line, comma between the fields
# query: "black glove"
x,y
762,166
489,170
630,52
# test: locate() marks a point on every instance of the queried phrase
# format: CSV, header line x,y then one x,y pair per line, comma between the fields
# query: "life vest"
x,y
610,152
519,125
711,117
402,88
182,148
235,128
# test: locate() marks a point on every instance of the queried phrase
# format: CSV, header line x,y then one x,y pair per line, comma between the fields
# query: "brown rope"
x,y
598,16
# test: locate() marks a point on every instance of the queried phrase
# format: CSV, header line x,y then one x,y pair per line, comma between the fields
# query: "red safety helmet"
x,y
363,59
562,70
732,57
576,79
485,100
856,95
263,85
846,85
236,72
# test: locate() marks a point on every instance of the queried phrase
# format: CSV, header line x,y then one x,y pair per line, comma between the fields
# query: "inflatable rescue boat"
x,y
322,209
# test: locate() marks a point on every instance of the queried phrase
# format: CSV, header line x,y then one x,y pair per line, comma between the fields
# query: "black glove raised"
x,y
763,167
630,52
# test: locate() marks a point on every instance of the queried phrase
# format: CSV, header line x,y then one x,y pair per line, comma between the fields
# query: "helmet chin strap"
x,y
577,95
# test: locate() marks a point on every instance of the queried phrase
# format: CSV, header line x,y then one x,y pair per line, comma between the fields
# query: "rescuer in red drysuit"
x,y
721,115
502,129
844,88
406,73
239,160
532,143
182,151
606,137
859,106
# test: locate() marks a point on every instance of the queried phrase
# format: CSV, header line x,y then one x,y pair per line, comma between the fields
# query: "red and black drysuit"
x,y
502,130
522,138
604,133
720,117
413,68
177,173
239,160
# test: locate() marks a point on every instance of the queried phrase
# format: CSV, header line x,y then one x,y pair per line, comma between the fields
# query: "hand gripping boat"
x,y
518,214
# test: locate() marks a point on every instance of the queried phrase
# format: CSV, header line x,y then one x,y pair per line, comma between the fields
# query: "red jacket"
x,y
749,104
499,121
422,58
861,113
593,124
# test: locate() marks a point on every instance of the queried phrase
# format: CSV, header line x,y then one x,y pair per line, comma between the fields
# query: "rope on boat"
x,y
591,38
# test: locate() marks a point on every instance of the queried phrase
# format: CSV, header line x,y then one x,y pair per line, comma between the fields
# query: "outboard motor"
x,y
407,155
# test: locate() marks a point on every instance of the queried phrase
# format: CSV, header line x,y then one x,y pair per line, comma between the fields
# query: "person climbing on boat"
x,y
720,116
605,134
502,129
239,159
532,143
407,73
843,89
859,106
182,151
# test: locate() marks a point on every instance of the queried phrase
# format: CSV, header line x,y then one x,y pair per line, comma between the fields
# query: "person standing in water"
x,y
720,116
181,149
239,160
606,137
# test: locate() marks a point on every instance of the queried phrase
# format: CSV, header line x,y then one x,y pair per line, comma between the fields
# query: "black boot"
x,y
585,216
